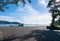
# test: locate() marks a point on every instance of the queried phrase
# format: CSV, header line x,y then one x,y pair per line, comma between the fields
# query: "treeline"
x,y
7,22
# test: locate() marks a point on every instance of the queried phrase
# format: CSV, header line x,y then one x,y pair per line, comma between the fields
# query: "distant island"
x,y
7,22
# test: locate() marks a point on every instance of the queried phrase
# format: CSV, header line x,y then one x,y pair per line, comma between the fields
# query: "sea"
x,y
23,25
8,24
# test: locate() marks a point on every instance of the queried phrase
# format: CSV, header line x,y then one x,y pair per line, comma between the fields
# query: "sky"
x,y
34,13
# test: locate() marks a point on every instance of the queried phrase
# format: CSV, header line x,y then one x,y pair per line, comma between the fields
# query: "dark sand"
x,y
31,33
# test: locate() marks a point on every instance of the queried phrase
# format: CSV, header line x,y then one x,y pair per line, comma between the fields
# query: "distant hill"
x,y
11,23
7,22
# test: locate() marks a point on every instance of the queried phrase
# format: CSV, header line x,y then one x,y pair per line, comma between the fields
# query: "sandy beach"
x,y
37,32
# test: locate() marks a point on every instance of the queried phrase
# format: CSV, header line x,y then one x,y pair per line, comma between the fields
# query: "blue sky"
x,y
34,13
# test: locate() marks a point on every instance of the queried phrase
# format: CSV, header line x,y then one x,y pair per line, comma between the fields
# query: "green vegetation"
x,y
57,23
53,5
6,22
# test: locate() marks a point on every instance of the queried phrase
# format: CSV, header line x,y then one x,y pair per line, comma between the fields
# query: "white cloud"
x,y
31,10
6,18
34,17
37,19
57,0
42,2
28,15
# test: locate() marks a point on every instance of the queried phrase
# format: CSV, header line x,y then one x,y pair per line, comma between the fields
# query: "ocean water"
x,y
24,25
8,24
36,25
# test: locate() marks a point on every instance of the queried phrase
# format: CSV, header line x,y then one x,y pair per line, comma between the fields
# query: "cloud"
x,y
6,18
33,16
42,2
28,15
57,0
37,19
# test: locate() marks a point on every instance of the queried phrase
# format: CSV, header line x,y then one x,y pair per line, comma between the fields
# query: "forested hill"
x,y
7,22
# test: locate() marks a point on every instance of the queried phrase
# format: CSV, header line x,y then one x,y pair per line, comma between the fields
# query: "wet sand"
x,y
43,33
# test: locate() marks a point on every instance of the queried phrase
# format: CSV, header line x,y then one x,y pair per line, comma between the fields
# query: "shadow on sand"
x,y
39,35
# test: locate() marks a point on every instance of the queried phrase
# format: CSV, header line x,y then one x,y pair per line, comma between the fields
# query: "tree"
x,y
4,3
57,23
54,5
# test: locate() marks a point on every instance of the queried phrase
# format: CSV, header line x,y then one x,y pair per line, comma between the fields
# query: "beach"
x,y
41,31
